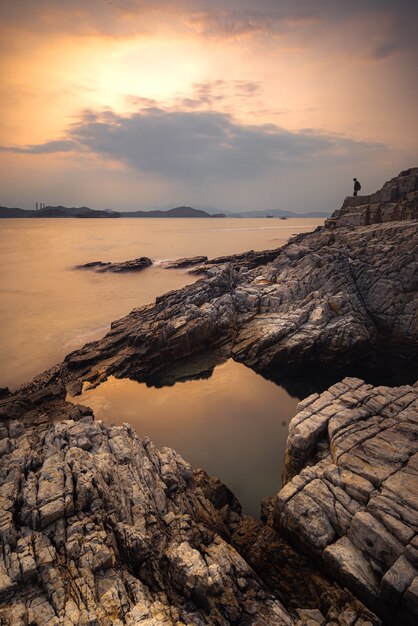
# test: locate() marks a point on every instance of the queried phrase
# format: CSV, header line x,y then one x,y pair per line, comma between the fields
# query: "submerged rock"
x,y
124,266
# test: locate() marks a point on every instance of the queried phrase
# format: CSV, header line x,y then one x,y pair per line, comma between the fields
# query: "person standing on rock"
x,y
357,186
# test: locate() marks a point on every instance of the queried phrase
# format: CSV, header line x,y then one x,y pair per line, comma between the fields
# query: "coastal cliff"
x,y
99,527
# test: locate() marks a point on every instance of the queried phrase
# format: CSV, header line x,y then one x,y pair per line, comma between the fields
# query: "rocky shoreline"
x,y
99,527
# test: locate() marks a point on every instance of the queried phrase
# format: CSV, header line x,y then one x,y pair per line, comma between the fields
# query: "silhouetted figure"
x,y
357,186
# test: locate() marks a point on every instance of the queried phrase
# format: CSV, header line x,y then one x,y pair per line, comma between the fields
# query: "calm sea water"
x,y
233,424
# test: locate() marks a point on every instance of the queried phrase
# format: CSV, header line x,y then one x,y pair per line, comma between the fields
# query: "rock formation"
x,y
182,263
134,265
334,296
397,200
351,498
99,527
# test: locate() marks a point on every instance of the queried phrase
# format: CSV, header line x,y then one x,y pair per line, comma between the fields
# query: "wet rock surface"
x,y
134,265
351,498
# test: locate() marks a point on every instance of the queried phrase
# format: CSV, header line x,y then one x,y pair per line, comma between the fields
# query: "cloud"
x,y
199,145
58,145
384,27
209,94
210,18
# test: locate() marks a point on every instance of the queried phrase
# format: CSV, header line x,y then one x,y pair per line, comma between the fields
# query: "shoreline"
x,y
316,301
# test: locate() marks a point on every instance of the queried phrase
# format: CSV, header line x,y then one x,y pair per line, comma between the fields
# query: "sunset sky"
x,y
236,105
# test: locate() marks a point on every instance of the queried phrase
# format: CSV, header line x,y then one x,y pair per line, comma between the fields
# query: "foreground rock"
x,y
133,265
100,527
351,499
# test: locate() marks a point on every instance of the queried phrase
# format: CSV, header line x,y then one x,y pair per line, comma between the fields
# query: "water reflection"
x,y
233,423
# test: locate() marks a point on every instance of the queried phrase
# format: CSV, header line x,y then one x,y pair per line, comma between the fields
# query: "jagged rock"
x,y
355,507
334,296
100,527
188,262
397,200
133,265
245,260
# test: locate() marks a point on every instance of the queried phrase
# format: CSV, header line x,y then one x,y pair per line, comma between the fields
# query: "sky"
x,y
232,105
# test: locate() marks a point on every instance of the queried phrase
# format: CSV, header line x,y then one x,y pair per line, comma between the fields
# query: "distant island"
x,y
180,211
277,213
86,212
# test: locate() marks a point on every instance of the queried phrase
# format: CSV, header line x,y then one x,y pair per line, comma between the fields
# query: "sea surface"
x,y
233,424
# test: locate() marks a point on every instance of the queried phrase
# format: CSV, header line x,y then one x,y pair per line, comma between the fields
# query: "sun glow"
x,y
66,75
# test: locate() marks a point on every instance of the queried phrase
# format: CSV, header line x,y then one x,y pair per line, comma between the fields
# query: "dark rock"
x,y
4,391
188,262
125,266
397,200
92,265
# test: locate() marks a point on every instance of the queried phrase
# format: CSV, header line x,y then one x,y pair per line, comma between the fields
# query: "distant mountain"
x,y
180,211
86,212
9,212
278,213
82,211
56,211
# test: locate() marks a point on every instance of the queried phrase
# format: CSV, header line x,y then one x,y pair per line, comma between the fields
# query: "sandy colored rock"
x,y
356,509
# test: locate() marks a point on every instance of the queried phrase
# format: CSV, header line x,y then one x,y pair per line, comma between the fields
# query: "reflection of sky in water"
x,y
233,424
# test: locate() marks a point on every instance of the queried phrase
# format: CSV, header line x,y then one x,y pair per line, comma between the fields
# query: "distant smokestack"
x,y
36,206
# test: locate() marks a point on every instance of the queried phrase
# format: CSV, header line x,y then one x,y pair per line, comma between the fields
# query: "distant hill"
x,y
180,211
278,213
86,212
56,211
82,211
9,212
